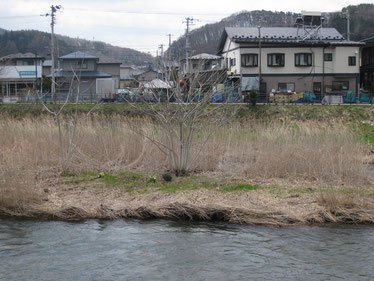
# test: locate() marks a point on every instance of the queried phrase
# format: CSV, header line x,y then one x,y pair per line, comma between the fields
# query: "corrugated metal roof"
x,y
284,36
78,55
205,56
21,56
279,33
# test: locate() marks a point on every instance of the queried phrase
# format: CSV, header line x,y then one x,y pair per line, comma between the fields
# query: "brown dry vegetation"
x,y
283,153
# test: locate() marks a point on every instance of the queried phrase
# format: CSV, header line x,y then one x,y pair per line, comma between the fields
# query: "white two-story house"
x,y
297,59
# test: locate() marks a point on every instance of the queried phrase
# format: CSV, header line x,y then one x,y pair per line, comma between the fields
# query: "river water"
x,y
169,250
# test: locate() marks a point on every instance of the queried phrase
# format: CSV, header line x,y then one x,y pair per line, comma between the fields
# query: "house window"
x,y
303,59
263,88
81,64
275,59
317,87
28,62
194,66
340,85
285,87
352,61
249,60
233,62
328,57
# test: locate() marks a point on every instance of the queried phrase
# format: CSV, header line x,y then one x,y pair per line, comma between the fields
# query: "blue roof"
x,y
92,74
126,77
78,55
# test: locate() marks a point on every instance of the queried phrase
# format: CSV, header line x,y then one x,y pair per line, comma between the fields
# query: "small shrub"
x,y
152,179
167,177
253,97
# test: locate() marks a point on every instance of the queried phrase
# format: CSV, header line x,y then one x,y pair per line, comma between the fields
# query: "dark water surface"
x,y
166,250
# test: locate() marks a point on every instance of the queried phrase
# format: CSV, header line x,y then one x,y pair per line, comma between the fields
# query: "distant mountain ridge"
x,y
24,41
206,38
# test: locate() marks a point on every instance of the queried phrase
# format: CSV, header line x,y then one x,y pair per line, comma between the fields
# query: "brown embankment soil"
x,y
244,207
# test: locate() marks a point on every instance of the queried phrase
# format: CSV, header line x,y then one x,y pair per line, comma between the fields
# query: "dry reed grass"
x,y
324,154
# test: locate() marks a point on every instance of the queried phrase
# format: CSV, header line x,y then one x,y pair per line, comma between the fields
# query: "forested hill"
x,y
206,38
36,41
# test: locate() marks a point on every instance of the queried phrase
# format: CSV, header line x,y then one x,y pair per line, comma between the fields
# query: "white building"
x,y
201,62
298,59
20,75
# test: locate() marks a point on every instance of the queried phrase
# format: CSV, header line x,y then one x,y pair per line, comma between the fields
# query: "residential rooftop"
x,y
78,55
285,35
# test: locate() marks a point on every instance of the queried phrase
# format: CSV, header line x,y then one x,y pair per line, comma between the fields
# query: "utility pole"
x,y
189,22
348,26
161,46
36,71
259,58
53,22
169,54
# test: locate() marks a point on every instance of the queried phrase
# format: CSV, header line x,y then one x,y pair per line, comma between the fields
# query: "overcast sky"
x,y
140,24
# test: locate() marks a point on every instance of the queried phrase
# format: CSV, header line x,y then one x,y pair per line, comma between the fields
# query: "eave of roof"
x,y
86,74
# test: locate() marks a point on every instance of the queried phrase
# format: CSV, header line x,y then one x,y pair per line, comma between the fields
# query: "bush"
x,y
253,97
167,177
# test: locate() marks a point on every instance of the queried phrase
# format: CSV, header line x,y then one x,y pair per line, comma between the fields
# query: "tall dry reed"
x,y
325,154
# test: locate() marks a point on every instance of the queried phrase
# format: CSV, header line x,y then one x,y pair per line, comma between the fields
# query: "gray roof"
x,y
21,56
368,40
126,77
283,35
205,56
103,61
47,63
86,74
279,33
78,55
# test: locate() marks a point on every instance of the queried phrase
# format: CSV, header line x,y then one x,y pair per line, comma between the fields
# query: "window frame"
x,y
327,57
352,61
319,86
334,88
232,62
309,59
254,60
286,83
82,64
270,61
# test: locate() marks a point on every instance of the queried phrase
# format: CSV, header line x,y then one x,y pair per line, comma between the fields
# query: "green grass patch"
x,y
367,132
240,187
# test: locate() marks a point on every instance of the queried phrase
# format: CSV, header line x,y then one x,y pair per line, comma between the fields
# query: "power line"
x,y
17,17
145,13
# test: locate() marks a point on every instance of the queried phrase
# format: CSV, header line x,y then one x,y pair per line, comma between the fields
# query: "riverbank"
x,y
289,170
196,198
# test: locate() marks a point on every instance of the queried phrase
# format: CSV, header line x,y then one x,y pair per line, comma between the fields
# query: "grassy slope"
x,y
265,112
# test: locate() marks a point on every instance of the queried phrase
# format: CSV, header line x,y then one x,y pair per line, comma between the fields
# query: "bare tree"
x,y
74,91
181,105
